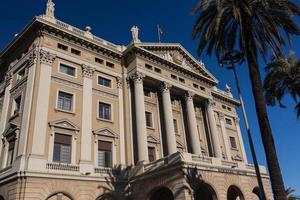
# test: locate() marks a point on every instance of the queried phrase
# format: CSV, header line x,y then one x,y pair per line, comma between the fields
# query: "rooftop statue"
x,y
135,34
50,9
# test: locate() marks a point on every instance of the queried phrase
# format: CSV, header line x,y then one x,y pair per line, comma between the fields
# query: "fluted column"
x,y
140,116
168,116
238,128
86,129
225,135
121,121
192,124
213,130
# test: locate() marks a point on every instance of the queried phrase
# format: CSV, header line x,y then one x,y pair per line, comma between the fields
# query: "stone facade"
x,y
83,118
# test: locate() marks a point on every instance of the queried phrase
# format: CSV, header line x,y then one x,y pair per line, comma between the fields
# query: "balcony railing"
x,y
104,170
62,167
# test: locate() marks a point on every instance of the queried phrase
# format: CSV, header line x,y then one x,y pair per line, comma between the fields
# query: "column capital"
x,y
210,103
8,78
222,116
32,58
119,82
165,87
189,95
87,71
47,57
138,77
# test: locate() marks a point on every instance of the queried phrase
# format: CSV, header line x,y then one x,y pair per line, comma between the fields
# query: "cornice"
x,y
224,98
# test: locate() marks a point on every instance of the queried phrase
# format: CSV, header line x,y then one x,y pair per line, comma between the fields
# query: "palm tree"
x,y
283,77
253,27
289,192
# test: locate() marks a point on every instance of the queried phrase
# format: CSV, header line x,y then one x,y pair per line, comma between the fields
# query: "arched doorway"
x,y
256,192
234,193
59,196
205,192
106,197
162,194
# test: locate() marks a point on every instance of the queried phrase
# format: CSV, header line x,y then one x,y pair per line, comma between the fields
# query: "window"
x,y
99,60
65,69
104,81
17,105
228,108
21,74
147,92
148,66
109,64
65,101
228,121
202,88
62,148
157,70
233,142
151,154
173,77
223,106
104,111
10,153
76,52
182,80
195,85
149,119
104,154
175,125
62,47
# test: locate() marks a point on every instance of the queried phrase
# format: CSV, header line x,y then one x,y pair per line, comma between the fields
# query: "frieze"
x,y
66,83
105,94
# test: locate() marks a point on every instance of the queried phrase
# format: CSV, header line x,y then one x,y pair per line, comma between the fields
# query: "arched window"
x,y
234,193
162,194
206,192
59,196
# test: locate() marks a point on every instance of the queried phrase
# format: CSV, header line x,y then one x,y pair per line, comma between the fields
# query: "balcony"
x,y
62,167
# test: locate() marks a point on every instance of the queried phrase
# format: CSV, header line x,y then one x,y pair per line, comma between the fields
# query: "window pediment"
x,y
10,132
106,132
237,158
64,124
152,139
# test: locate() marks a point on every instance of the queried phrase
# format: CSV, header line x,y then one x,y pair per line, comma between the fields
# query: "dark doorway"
x,y
162,194
234,193
205,192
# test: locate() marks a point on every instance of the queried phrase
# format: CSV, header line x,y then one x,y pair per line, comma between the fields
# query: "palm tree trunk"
x,y
265,129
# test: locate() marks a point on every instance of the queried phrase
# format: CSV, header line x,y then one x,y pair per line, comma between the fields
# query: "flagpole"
x,y
158,33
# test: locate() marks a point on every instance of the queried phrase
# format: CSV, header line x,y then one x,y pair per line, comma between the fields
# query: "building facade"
x,y
84,119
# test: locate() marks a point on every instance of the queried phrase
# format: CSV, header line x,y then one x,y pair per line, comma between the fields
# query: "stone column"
x,y
86,127
192,123
4,113
213,130
26,114
168,116
140,116
238,128
226,136
37,159
121,121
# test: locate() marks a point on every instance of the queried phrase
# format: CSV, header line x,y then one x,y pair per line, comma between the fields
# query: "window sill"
x,y
65,111
105,120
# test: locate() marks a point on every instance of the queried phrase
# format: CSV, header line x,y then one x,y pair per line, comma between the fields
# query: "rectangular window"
x,y
104,154
151,154
173,77
228,121
17,105
202,88
233,142
228,108
175,125
62,148
99,60
62,47
21,74
109,64
147,92
181,80
65,69
157,70
223,106
76,52
65,101
195,85
104,81
10,153
148,66
149,119
104,111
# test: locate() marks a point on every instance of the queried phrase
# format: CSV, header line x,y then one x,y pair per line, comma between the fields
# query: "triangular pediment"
x,y
152,139
64,124
177,54
106,132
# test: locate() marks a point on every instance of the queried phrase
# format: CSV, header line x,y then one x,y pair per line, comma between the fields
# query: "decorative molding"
x,y
87,71
210,103
18,88
221,116
189,95
66,83
119,82
64,124
105,132
152,139
165,87
138,77
32,57
47,57
105,94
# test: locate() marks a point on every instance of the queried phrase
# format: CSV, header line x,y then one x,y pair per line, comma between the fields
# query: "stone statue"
x,y
50,9
228,88
135,34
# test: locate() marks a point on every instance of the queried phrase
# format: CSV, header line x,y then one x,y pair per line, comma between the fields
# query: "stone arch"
x,y
205,191
256,192
107,196
161,193
60,195
234,193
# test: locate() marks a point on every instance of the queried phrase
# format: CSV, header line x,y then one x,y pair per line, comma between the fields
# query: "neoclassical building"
x,y
84,119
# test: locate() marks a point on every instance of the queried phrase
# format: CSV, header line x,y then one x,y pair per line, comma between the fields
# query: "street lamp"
x,y
230,58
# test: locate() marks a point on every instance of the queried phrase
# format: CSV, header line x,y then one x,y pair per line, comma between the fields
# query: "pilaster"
x,y
238,129
121,121
225,135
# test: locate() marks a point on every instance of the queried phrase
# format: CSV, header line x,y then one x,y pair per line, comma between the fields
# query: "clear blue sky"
x,y
112,21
